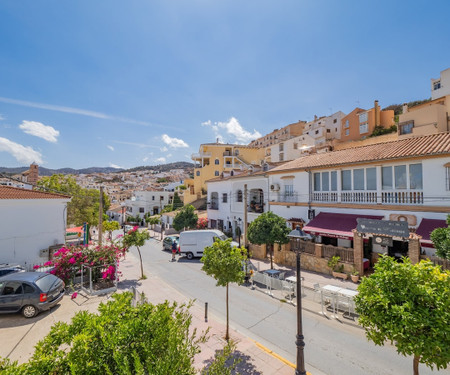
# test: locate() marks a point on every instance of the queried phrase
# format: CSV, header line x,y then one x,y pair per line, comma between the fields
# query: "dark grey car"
x,y
29,292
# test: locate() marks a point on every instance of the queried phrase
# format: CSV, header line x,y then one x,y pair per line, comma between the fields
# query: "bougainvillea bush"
x,y
202,223
68,260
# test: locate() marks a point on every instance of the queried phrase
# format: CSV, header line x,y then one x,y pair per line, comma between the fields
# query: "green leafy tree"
x,y
85,203
186,218
441,240
224,262
109,226
268,229
167,208
408,305
177,203
152,220
136,238
119,339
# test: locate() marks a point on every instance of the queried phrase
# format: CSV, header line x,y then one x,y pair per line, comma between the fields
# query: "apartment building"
x,y
360,123
151,202
279,135
441,86
213,159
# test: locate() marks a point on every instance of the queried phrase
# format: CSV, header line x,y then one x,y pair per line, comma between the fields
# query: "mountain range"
x,y
48,172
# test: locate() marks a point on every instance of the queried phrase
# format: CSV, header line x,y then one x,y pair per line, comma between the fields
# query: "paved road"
x,y
332,347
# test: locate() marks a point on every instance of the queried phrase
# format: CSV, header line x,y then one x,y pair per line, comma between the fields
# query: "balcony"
x,y
200,155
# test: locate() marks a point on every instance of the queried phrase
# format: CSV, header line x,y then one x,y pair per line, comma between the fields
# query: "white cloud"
x,y
145,159
233,128
173,142
23,154
110,147
115,166
168,155
164,149
38,129
161,160
2,118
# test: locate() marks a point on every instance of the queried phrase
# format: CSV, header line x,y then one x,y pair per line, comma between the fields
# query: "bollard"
x,y
206,312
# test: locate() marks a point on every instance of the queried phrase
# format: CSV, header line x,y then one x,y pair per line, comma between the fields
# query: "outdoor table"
x,y
331,291
349,294
272,273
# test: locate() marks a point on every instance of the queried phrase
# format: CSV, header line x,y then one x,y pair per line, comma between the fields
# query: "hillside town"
x,y
357,186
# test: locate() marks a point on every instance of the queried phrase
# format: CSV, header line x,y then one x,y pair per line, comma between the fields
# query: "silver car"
x,y
29,292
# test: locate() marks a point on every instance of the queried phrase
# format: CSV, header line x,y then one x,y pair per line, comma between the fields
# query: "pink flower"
x,y
72,260
36,266
74,295
49,263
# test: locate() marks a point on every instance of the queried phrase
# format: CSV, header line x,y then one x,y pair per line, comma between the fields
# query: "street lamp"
x,y
296,235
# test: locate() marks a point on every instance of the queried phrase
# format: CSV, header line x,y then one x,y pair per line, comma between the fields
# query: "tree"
x,y
224,262
136,238
109,226
441,240
152,220
186,218
119,339
177,203
268,229
84,205
408,305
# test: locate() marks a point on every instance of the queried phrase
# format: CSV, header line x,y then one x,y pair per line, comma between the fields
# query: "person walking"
x,y
174,249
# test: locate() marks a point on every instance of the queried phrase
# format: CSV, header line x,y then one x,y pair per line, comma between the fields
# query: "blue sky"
x,y
138,82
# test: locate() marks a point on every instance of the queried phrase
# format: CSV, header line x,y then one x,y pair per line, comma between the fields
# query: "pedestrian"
x,y
174,249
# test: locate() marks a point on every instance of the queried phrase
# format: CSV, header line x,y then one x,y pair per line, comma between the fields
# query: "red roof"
x,y
427,226
10,192
335,225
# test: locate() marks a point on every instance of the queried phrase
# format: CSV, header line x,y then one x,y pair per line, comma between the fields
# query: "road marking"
x,y
277,356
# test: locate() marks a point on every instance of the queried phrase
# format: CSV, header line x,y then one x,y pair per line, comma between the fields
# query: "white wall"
x,y
29,225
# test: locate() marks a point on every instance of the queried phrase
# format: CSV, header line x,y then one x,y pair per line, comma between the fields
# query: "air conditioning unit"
x,y
275,187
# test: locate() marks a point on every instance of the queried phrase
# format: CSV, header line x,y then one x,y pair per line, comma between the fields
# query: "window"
x,y
333,176
316,132
371,179
400,176
447,178
386,178
334,121
363,117
281,157
153,197
346,180
197,173
239,196
415,176
316,181
364,128
325,181
27,288
289,189
295,146
346,124
358,179
281,147
347,132
12,287
216,173
437,85
328,130
406,127
216,162
224,198
141,209
214,201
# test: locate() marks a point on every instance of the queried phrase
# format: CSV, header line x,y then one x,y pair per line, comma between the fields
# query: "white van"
x,y
192,242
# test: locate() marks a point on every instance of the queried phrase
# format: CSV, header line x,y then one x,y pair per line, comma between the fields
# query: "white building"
x,y
31,224
148,202
404,180
441,86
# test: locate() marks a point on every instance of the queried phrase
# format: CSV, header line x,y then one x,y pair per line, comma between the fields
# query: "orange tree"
x,y
136,238
408,305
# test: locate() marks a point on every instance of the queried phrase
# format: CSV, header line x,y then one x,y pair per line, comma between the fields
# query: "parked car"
x,y
127,228
193,242
168,241
29,292
6,269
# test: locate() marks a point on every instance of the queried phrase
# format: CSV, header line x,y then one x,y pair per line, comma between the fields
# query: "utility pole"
x,y
100,218
245,216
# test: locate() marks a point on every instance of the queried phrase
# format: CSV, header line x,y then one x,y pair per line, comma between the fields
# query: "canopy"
x,y
335,225
426,227
74,230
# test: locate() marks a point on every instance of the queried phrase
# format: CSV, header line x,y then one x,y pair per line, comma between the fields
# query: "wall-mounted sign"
x,y
381,240
383,227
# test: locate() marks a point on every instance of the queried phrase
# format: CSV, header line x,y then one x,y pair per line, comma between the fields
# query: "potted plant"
x,y
337,270
354,275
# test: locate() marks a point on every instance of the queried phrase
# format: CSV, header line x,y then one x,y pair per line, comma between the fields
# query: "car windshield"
x,y
223,237
45,283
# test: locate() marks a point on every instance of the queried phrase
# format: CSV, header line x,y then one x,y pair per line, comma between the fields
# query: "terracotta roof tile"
x,y
9,192
434,144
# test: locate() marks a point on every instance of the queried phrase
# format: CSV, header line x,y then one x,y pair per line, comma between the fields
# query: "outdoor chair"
x,y
281,275
317,291
289,287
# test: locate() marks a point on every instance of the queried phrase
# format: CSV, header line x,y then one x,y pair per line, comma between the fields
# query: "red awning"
x,y
75,230
426,227
335,225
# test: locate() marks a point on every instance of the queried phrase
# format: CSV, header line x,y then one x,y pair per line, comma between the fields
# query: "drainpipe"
x,y
309,191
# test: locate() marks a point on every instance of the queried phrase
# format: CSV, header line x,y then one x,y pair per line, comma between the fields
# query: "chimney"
x,y
315,117
405,108
377,113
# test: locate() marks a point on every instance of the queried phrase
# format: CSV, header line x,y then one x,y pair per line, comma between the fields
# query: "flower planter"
x,y
355,278
340,275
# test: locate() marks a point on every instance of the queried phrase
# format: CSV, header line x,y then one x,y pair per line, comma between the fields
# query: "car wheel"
x,y
29,311
190,256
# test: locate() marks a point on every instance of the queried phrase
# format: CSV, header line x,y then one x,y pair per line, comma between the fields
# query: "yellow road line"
x,y
277,356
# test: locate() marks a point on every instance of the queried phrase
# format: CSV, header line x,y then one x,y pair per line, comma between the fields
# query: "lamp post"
x,y
240,232
296,235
